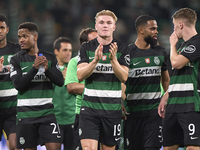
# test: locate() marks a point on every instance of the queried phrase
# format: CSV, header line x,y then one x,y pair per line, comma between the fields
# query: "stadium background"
x,y
68,17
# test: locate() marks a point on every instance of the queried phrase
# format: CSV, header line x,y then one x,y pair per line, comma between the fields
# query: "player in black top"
x,y
36,122
8,94
104,64
181,120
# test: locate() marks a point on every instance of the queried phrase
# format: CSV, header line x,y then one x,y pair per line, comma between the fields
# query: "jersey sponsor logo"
x,y
156,60
104,57
5,70
134,64
194,138
13,73
22,140
189,49
103,68
40,77
147,60
146,71
127,59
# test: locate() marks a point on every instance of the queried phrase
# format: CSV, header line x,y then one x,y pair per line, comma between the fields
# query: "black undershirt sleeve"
x,y
54,74
20,81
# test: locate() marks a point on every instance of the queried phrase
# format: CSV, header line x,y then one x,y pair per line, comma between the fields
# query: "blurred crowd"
x,y
68,17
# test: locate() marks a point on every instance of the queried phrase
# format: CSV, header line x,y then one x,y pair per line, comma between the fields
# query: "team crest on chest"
x,y
147,60
156,60
104,57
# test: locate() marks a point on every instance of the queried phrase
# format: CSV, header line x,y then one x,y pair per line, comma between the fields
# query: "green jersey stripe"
x,y
138,96
6,85
33,102
103,93
27,114
104,85
35,94
143,88
143,107
100,106
181,79
181,100
8,104
181,87
10,92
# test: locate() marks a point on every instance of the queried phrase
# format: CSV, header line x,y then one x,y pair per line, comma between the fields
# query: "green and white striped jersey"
x,y
35,91
8,94
143,91
184,85
102,95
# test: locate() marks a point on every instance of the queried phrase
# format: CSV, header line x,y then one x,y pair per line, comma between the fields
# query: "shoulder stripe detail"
x,y
10,92
149,95
181,87
33,102
103,93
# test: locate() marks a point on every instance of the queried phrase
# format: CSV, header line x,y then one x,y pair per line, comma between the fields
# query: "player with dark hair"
x,y
36,122
73,84
87,35
8,94
148,67
64,103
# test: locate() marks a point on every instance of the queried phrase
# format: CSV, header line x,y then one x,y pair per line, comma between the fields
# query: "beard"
x,y
3,38
150,40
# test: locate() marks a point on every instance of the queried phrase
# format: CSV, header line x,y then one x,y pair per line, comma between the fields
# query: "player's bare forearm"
x,y
84,70
121,72
165,80
75,88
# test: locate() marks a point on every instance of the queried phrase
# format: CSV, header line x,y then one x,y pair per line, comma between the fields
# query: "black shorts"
x,y
8,124
181,129
31,135
105,130
144,132
67,136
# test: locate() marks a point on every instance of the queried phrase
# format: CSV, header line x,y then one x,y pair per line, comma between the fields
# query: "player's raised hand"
x,y
40,60
98,53
1,63
173,39
113,50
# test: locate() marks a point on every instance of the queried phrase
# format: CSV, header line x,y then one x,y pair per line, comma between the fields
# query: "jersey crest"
x,y
147,60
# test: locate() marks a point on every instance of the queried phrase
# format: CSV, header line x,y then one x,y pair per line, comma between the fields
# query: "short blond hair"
x,y
106,13
186,13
